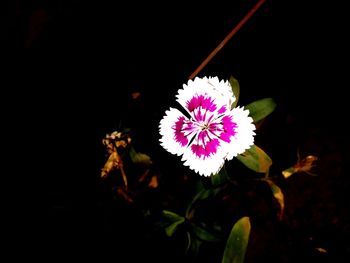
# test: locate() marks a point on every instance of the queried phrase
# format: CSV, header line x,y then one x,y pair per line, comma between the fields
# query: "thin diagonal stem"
x,y
227,38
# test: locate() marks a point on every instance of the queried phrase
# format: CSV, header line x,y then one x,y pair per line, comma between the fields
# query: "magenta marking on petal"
x,y
212,146
208,104
201,102
179,124
222,109
214,126
225,137
228,124
179,135
210,118
194,103
208,149
181,138
198,116
198,150
202,135
228,128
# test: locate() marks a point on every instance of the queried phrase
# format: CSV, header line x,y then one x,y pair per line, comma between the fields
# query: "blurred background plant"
x,y
211,212
81,69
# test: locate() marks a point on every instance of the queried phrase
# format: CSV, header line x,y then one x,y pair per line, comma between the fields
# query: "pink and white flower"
x,y
212,132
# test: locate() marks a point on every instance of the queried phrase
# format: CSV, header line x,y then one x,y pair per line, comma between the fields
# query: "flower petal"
x,y
204,165
214,133
244,132
209,90
173,141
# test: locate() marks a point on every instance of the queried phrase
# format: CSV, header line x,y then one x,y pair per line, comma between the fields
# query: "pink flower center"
x,y
207,129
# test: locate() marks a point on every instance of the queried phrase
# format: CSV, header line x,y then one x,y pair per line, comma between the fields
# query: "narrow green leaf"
x,y
171,216
202,194
204,234
261,108
170,230
189,241
235,89
193,247
256,159
219,178
139,158
278,195
237,242
174,219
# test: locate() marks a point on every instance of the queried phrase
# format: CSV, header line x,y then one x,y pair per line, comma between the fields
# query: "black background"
x,y
70,69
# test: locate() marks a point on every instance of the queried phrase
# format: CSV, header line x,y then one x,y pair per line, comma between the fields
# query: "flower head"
x,y
211,131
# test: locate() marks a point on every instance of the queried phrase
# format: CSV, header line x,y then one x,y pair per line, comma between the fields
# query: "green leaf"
x,y
204,234
237,242
261,108
219,178
193,247
256,159
235,89
139,158
174,219
202,194
171,216
278,195
170,230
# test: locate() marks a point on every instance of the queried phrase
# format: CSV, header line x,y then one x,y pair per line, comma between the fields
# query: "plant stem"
x,y
227,38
